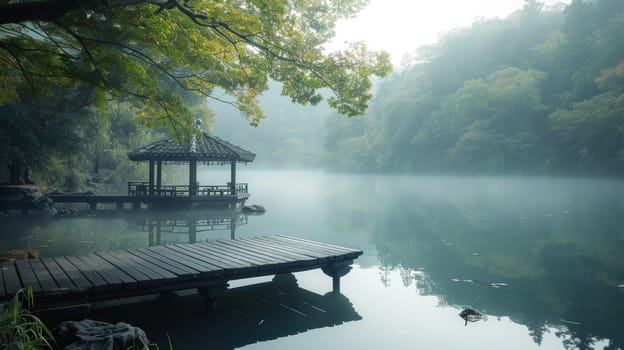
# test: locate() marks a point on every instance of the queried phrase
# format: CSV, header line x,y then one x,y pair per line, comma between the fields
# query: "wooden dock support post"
x,y
150,235
210,294
335,271
192,231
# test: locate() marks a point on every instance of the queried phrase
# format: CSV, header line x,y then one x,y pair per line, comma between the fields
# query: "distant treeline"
x,y
540,92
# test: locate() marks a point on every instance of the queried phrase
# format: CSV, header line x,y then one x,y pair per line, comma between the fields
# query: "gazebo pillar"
x,y
233,177
192,177
150,190
158,176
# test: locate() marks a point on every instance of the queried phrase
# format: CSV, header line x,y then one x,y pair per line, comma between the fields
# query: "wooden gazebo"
x,y
205,149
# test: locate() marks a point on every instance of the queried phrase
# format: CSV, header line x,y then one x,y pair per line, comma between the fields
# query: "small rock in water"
x,y
89,334
254,208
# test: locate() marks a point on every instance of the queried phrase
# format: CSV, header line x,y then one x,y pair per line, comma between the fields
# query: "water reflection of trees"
x,y
556,246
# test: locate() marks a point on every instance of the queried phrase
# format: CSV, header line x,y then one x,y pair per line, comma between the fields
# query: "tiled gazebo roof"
x,y
208,148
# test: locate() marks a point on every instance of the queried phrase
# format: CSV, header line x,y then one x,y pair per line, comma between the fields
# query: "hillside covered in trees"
x,y
539,92
83,82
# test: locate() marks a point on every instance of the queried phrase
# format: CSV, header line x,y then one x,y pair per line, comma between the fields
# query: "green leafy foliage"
x,y
150,52
539,92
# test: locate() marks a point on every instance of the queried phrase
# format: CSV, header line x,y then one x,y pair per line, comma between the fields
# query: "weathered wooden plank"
x,y
295,249
260,259
154,266
268,259
231,263
298,245
203,267
131,269
168,264
11,280
309,243
27,276
86,271
309,248
277,255
187,250
61,278
170,257
77,278
154,271
110,273
285,251
294,259
234,257
43,276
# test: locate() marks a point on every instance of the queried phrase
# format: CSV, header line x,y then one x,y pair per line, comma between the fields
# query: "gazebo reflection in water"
x,y
204,148
167,227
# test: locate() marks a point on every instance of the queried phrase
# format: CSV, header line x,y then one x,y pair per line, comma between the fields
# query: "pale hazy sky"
x,y
400,26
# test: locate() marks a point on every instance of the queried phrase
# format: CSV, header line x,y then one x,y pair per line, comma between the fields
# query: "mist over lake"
x,y
539,257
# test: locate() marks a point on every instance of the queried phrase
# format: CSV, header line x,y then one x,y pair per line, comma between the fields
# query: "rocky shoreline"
x,y
31,200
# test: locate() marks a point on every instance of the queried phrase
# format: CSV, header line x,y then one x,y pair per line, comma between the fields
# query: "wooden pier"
x,y
139,194
207,266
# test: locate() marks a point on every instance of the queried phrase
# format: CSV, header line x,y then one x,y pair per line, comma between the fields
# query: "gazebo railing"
x,y
142,189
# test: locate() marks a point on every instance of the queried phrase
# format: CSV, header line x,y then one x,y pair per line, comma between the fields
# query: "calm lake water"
x,y
541,258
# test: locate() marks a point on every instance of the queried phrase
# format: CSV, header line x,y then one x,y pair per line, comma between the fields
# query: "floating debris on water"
x,y
456,280
470,315
469,281
570,322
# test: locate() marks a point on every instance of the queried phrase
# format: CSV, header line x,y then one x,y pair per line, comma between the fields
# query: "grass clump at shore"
x,y
19,328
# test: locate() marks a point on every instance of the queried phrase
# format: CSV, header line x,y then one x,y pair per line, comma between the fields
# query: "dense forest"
x,y
83,82
539,92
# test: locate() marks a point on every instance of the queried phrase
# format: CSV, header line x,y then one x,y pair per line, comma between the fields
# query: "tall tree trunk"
x,y
96,164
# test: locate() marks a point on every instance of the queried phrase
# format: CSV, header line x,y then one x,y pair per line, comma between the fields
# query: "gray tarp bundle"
x,y
96,335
